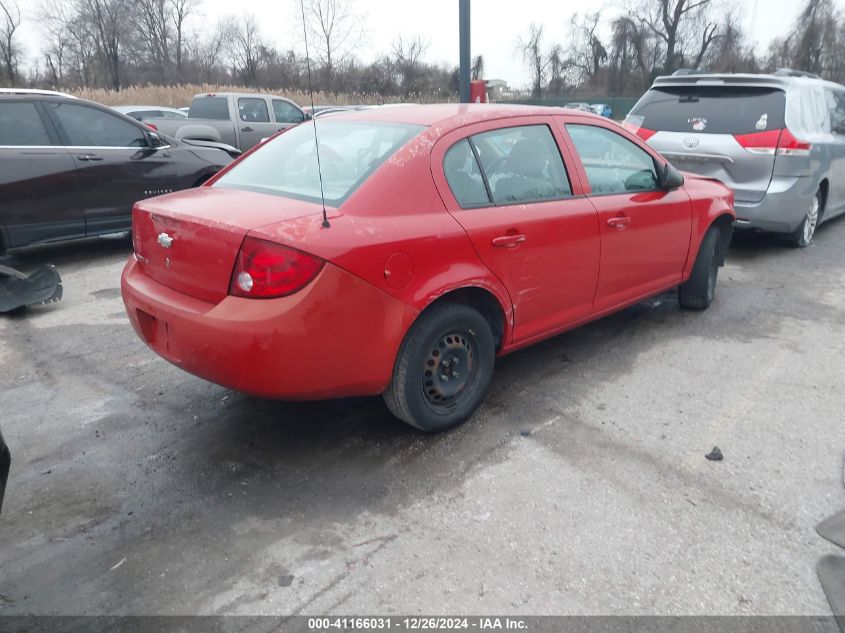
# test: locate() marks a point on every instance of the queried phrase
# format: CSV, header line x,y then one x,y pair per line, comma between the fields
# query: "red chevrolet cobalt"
x,y
454,234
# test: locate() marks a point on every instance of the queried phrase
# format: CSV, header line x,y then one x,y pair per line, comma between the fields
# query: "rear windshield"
x,y
209,108
350,151
710,109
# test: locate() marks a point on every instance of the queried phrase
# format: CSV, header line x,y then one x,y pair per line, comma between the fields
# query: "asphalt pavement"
x,y
580,487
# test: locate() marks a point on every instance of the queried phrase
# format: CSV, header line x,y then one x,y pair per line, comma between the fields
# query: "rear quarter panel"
x,y
710,200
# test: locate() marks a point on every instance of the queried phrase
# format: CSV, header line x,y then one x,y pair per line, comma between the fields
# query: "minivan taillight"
x,y
266,270
780,142
642,132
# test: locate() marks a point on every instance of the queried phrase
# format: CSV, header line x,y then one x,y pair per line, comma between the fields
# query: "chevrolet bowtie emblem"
x,y
164,240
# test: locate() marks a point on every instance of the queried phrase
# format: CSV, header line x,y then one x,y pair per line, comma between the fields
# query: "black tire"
x,y
803,235
700,289
424,377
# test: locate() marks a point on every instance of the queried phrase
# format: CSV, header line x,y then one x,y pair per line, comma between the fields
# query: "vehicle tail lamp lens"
x,y
642,132
265,270
791,146
152,126
780,142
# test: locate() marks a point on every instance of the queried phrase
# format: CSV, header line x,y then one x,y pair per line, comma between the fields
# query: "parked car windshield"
x,y
710,109
349,152
216,108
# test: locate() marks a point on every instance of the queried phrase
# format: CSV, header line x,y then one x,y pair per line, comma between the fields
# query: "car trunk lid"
x,y
188,241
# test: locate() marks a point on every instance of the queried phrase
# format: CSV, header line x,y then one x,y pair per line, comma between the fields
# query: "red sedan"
x,y
454,234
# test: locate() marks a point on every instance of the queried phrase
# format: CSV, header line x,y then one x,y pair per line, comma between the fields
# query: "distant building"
x,y
495,88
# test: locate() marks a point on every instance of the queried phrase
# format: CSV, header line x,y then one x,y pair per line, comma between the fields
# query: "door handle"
x,y
620,222
509,240
246,129
87,157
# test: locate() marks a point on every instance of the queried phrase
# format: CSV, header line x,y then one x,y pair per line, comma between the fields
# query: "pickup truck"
x,y
234,118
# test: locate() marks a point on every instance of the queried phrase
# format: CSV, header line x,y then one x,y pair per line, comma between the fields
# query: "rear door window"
x,y
253,110
20,124
464,176
710,109
613,163
522,164
215,108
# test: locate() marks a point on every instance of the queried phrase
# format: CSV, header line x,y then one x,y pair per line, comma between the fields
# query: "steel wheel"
x,y
449,372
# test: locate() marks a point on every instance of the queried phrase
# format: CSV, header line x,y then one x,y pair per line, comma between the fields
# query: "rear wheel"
x,y
803,235
443,368
700,289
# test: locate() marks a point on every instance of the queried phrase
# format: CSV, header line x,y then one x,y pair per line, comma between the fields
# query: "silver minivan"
x,y
777,140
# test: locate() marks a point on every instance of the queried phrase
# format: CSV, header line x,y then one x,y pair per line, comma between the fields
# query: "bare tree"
x,y
180,10
245,48
334,30
477,70
206,48
405,62
10,21
151,24
587,53
108,20
535,58
684,26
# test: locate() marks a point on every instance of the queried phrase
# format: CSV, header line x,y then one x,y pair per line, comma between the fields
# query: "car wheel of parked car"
x,y
443,368
700,289
807,229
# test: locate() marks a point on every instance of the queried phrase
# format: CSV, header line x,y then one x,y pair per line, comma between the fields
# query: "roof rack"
x,y
34,91
789,72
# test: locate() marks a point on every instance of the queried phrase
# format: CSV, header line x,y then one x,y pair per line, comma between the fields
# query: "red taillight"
x,y
791,146
152,126
264,270
642,132
771,142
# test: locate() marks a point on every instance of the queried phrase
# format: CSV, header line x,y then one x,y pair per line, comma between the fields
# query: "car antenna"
x,y
313,116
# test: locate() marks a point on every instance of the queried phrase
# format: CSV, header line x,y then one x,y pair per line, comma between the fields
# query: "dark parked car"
x,y
70,168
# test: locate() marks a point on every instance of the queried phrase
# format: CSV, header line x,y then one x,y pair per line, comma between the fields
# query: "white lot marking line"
x,y
118,564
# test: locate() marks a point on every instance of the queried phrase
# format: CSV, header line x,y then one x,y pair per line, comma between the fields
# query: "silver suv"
x,y
777,140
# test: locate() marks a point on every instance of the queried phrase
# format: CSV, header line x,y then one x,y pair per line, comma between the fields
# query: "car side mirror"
x,y
308,116
670,177
154,140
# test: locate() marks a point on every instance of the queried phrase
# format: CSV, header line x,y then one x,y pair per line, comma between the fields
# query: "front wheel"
x,y
700,289
443,368
807,229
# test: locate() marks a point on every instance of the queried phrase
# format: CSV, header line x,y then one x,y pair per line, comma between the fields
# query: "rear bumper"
x,y
782,210
337,337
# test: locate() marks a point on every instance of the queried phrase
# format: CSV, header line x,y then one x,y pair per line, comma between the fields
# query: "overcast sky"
x,y
496,25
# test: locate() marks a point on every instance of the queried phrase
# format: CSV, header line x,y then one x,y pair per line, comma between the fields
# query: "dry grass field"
x,y
179,96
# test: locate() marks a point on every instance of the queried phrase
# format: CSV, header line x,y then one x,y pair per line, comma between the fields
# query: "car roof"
x,y
132,108
782,81
453,114
34,92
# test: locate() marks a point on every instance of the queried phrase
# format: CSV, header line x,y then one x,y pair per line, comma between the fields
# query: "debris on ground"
x,y
715,455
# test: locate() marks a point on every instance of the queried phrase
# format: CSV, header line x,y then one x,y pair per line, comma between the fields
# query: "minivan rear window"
x,y
710,109
209,108
350,151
